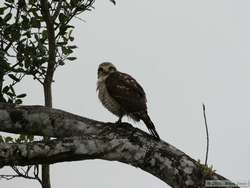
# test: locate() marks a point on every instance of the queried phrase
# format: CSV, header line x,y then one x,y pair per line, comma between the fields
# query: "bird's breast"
x,y
107,101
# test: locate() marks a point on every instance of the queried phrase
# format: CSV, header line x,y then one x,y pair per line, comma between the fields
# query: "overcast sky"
x,y
183,53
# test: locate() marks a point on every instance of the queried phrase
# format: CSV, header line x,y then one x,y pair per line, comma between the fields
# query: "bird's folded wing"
x,y
126,91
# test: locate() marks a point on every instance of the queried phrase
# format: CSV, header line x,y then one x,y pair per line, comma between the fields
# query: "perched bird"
x,y
123,96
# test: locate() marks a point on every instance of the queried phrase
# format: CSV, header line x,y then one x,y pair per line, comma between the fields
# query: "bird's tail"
x,y
150,125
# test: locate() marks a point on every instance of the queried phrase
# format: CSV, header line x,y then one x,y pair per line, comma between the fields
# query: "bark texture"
x,y
47,85
79,138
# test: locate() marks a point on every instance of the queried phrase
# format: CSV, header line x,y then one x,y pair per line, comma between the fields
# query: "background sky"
x,y
184,53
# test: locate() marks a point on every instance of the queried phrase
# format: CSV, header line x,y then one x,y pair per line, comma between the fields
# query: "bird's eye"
x,y
100,69
111,69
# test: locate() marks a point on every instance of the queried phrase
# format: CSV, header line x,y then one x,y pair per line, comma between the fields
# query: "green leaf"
x,y
35,12
73,3
60,62
72,47
62,18
32,1
71,38
44,35
70,32
20,57
37,37
4,65
9,5
64,28
66,51
5,89
21,95
7,17
2,9
41,48
25,23
13,77
71,58
35,23
15,35
13,93
28,34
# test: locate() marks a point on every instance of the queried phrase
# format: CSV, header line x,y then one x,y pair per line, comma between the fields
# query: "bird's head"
x,y
105,69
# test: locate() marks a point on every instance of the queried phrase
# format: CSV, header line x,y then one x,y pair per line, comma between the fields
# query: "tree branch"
x,y
47,88
52,52
23,173
90,139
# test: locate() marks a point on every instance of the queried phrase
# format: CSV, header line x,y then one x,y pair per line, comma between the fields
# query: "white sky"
x,y
183,53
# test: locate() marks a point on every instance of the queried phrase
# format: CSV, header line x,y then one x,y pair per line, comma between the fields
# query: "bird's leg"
x,y
119,120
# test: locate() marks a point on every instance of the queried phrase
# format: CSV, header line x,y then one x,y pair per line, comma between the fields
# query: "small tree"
x,y
35,38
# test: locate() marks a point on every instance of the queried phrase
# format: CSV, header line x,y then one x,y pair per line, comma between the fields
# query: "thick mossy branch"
x,y
90,139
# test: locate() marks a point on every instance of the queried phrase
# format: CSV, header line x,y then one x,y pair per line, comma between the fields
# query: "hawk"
x,y
122,95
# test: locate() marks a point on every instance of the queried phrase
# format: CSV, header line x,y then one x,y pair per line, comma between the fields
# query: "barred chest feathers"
x,y
106,99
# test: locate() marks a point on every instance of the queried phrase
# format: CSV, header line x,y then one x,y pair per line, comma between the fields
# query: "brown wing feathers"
x,y
126,91
131,97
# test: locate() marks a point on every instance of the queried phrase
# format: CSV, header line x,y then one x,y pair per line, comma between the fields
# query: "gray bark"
x,y
79,138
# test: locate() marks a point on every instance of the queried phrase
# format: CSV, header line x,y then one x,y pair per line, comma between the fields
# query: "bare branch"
x,y
52,52
21,173
49,20
96,140
205,119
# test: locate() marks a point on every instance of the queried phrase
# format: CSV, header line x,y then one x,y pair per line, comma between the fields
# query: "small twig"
x,y
205,119
80,19
36,173
52,52
23,174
